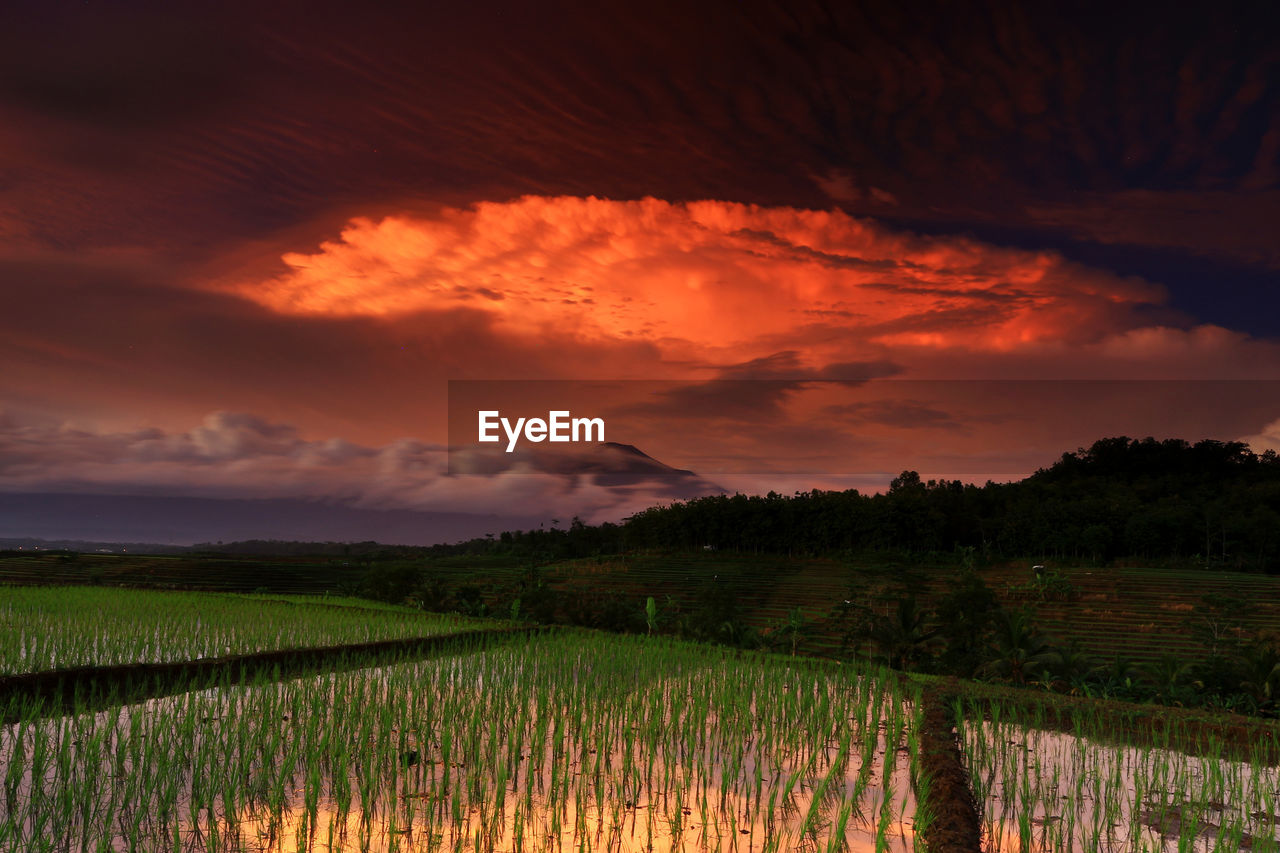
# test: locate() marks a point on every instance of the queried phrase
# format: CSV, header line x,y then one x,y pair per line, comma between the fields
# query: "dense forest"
x,y
1210,503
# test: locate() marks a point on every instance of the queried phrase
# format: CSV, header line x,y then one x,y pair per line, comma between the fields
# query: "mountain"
x,y
176,519
608,464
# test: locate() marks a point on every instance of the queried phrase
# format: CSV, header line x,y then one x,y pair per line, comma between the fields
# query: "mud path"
x,y
955,825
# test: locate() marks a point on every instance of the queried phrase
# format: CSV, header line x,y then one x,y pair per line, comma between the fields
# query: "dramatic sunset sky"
x,y
243,251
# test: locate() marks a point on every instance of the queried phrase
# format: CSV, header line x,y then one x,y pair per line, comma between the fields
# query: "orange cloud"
x,y
706,280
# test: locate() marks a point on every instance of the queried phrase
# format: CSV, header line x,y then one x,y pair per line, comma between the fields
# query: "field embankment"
x,y
954,821
51,627
85,687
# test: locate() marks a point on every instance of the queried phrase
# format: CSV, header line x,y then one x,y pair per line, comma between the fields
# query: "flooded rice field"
x,y
570,743
1051,791
45,628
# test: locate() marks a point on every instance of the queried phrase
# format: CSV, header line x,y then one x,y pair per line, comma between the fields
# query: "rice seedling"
x,y
1045,790
573,742
44,628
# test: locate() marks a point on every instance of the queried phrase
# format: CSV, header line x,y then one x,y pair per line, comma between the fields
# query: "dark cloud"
x,y
111,67
790,366
261,117
1216,224
745,401
754,393
905,414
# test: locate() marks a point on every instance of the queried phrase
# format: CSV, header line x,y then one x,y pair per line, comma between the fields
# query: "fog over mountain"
x,y
177,519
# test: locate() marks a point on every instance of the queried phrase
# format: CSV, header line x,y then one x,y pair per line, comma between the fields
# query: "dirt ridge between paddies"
x,y
955,825
96,687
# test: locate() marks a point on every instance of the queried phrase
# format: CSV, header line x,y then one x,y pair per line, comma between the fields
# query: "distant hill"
x,y
1210,504
166,521
27,543
92,521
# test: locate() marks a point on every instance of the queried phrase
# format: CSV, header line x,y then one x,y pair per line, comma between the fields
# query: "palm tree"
x,y
1171,676
1019,653
1118,677
1259,668
901,636
794,628
1076,666
965,616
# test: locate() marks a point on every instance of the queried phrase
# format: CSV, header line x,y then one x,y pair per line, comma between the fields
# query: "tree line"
x,y
1211,503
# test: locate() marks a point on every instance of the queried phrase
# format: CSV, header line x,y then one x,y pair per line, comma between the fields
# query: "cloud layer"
x,y
708,280
237,455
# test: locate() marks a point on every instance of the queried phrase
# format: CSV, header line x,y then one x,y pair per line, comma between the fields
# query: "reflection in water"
x,y
568,744
676,820
1047,791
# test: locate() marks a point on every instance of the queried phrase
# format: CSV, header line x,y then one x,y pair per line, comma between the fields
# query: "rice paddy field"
x,y
573,742
44,628
1046,790
569,740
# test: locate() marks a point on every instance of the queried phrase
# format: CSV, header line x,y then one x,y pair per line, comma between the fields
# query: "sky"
x,y
246,252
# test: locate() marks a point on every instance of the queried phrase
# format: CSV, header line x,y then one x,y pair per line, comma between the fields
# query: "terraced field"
x,y
1140,613
1144,613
